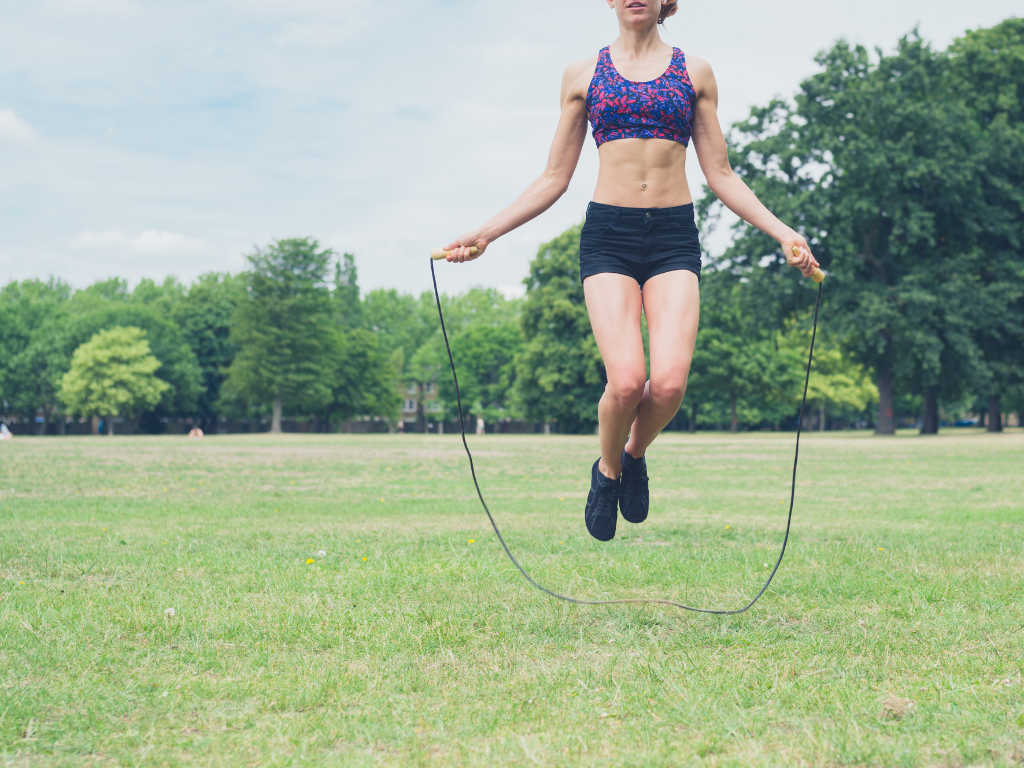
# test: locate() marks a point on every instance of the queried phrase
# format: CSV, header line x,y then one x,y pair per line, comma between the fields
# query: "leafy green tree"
x,y
283,328
112,374
874,164
485,333
400,321
987,72
365,383
559,375
178,365
402,325
33,358
740,374
204,315
346,292
838,383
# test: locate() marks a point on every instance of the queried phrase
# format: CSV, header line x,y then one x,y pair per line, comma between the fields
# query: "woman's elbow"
x,y
719,177
557,183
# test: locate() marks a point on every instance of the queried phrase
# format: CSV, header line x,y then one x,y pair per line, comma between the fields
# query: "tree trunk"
x,y
275,422
995,413
930,413
886,405
110,426
693,418
440,426
63,425
821,427
735,420
95,424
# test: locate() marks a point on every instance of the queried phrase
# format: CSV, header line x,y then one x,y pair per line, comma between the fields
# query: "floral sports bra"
x,y
658,109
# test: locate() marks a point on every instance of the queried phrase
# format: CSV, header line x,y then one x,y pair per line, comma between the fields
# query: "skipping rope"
x,y
638,600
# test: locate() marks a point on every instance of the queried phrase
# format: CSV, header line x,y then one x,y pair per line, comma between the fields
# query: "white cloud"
x,y
153,241
89,239
88,8
14,129
317,35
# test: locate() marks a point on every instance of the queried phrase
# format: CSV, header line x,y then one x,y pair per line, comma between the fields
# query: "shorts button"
x,y
648,214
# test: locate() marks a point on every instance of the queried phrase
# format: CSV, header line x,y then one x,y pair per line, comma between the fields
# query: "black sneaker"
x,y
602,505
634,496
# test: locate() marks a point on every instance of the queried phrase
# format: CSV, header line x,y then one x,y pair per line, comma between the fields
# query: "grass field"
x,y
892,636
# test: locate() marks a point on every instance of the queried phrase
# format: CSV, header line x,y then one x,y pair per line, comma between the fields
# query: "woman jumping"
x,y
639,250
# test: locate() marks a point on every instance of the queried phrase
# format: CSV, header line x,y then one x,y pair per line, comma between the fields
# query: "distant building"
x,y
420,406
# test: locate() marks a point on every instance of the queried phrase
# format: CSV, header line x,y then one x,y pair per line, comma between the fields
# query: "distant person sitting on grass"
x,y
5,433
195,434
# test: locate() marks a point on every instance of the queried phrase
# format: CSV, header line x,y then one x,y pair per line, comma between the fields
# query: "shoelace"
x,y
607,502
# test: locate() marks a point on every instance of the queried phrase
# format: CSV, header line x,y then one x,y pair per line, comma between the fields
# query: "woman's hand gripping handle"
x,y
801,258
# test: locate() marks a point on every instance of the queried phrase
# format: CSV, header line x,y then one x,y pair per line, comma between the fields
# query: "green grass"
x,y
892,636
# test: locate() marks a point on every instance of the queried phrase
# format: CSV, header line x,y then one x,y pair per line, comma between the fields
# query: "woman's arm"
x,y
551,184
713,155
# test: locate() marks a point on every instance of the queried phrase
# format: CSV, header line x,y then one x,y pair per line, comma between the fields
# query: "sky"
x,y
146,139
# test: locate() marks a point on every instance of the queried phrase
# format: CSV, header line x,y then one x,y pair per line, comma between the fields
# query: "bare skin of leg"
x,y
672,308
631,406
614,303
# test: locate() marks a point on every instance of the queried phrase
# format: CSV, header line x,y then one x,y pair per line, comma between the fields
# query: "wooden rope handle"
x,y
817,275
440,253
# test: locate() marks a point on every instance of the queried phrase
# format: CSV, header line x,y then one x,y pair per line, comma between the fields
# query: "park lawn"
x,y
892,636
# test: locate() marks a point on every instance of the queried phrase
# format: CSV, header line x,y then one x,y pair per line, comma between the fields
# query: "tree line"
x,y
905,171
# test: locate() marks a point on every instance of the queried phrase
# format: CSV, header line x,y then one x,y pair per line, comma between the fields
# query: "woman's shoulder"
x,y
577,76
701,74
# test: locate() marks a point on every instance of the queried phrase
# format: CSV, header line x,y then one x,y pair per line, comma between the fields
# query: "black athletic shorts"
x,y
638,242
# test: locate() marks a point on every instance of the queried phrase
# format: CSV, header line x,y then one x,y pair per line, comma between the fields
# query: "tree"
x,y
400,321
874,164
365,383
346,292
33,354
89,315
112,374
485,333
204,316
559,375
283,329
837,383
987,72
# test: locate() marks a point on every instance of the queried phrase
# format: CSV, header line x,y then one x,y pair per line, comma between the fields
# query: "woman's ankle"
x,y
612,473
634,450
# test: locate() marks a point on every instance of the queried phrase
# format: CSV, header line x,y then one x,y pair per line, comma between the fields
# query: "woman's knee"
x,y
667,391
625,392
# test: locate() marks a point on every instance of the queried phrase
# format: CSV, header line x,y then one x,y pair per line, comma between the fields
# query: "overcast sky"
x,y
142,139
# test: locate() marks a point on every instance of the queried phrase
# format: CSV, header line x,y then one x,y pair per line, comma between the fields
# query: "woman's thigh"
x,y
614,303
671,303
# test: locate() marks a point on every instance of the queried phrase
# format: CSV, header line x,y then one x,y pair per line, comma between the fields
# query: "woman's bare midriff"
x,y
642,173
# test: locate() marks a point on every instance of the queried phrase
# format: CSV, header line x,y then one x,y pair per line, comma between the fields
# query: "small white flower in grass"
x,y
169,612
321,553
766,565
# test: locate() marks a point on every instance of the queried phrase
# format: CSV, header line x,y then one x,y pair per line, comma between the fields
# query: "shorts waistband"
x,y
685,210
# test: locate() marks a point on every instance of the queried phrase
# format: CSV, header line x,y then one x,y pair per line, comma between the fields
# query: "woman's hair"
x,y
668,8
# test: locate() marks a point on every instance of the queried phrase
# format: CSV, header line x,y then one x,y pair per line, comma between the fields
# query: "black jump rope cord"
x,y
639,600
